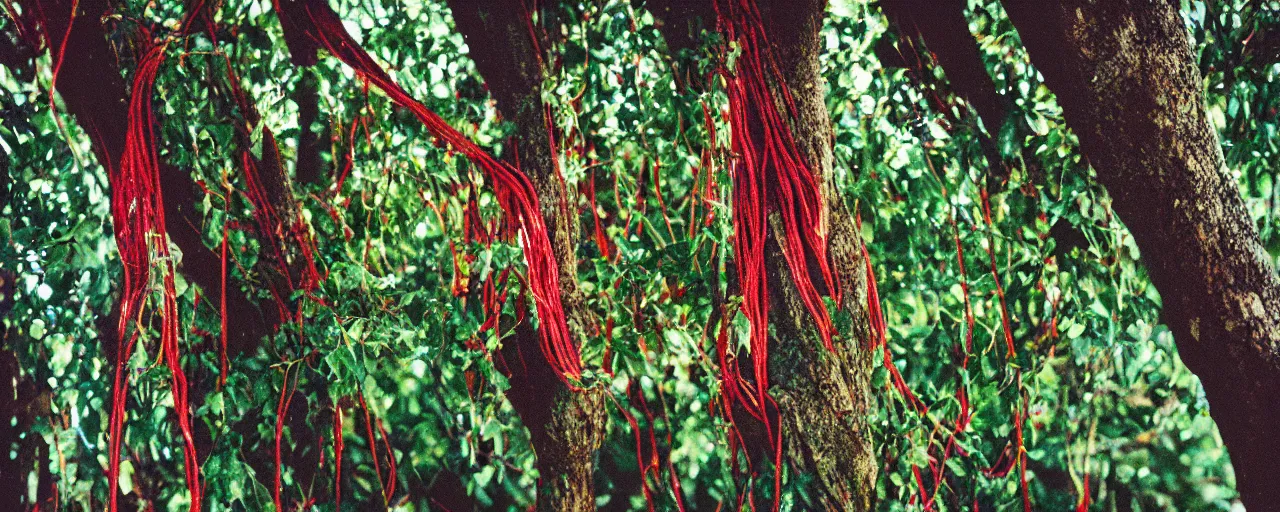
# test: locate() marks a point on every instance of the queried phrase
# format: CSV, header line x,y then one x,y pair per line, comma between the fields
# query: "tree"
x,y
95,94
672,254
822,394
1129,86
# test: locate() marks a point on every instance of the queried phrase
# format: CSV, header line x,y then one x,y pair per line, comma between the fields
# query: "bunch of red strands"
x,y
514,191
770,176
276,229
137,211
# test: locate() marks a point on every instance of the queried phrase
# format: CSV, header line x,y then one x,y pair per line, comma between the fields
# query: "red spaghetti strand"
x,y
1083,504
337,455
875,315
137,212
62,52
964,288
962,393
373,445
391,463
275,229
879,332
267,219
222,361
513,189
737,390
22,23
769,175
635,431
651,465
602,241
995,274
282,408
679,492
1019,422
880,338
662,204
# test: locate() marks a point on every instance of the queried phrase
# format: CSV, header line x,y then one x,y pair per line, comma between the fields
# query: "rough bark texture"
x,y
1129,86
566,427
823,397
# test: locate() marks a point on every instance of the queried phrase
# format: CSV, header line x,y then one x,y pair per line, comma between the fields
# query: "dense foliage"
x,y
1021,306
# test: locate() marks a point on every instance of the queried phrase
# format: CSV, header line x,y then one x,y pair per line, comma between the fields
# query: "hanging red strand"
x,y
769,175
337,455
137,211
880,334
513,189
282,409
222,357
373,445
995,274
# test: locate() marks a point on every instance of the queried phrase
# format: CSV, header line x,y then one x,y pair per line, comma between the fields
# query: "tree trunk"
x,y
947,41
93,91
1126,79
566,427
309,165
681,23
823,397
23,403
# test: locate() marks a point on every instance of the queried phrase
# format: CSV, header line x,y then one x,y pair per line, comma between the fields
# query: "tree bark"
x,y
566,426
23,402
309,165
823,397
303,53
944,31
1128,84
682,21
92,88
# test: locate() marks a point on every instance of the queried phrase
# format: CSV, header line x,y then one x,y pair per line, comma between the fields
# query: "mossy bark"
x,y
1128,83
